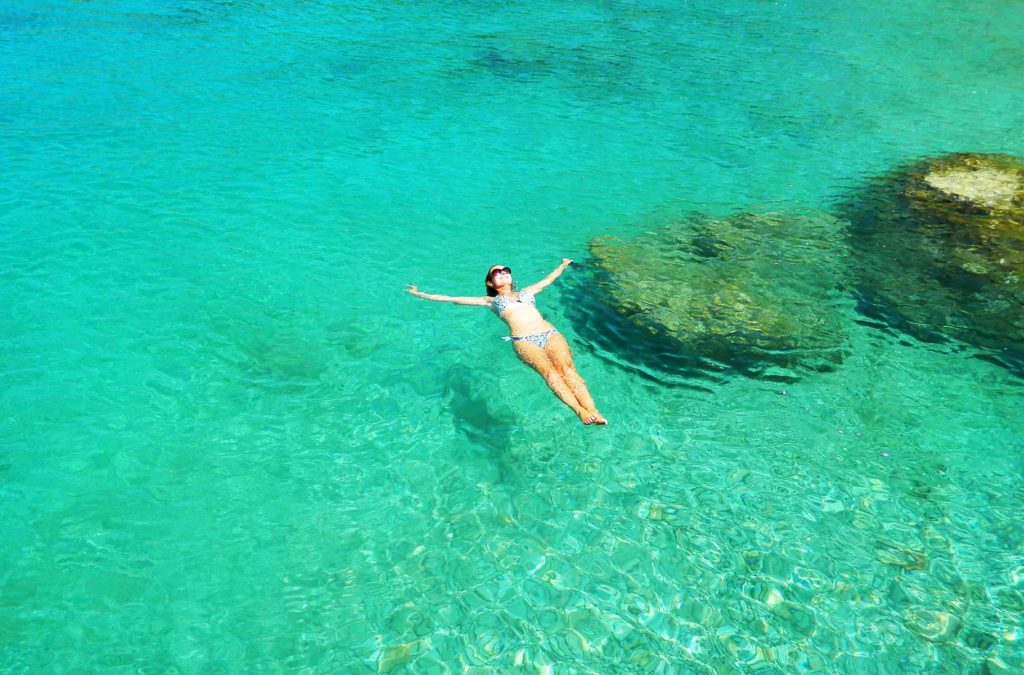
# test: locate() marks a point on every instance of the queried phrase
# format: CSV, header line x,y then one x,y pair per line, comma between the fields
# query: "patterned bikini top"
x,y
502,302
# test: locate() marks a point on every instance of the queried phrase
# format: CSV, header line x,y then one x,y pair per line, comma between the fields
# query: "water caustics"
x,y
230,441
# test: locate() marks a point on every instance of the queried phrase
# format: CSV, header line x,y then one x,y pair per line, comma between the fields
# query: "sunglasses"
x,y
501,270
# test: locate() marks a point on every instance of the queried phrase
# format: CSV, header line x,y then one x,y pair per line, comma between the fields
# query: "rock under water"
x,y
758,294
939,250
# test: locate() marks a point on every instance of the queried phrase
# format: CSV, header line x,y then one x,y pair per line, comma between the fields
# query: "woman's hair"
x,y
487,282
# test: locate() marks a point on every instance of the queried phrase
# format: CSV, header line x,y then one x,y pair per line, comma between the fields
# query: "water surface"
x,y
230,442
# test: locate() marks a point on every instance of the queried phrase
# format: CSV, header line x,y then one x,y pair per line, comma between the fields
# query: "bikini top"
x,y
501,302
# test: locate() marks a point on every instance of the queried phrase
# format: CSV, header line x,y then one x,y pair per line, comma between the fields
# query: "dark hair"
x,y
487,282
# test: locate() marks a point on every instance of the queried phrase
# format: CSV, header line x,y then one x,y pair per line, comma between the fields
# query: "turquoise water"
x,y
231,443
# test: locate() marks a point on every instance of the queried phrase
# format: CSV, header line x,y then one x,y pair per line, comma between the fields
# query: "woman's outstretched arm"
x,y
482,301
549,279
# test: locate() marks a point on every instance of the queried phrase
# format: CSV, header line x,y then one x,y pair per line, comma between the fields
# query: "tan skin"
x,y
553,361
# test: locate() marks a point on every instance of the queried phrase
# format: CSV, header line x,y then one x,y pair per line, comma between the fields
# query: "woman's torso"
x,y
519,311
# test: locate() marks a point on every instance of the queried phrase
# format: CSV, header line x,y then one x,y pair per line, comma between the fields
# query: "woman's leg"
x,y
557,350
534,356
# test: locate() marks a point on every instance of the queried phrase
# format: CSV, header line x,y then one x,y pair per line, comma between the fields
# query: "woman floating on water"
x,y
536,341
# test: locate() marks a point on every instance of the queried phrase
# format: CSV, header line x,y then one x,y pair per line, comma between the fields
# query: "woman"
x,y
535,340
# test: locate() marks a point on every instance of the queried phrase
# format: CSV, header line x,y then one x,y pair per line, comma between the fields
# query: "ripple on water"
x,y
231,443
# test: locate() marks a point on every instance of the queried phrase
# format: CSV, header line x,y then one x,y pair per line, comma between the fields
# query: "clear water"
x,y
231,443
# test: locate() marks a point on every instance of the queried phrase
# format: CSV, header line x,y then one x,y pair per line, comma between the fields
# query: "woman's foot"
x,y
591,417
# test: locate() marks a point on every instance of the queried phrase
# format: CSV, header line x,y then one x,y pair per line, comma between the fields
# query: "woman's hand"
x,y
546,281
412,289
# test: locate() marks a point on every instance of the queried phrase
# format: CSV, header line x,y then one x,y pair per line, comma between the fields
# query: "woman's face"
x,y
500,275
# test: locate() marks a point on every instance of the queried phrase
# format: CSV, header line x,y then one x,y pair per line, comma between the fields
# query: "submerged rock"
x,y
472,407
977,203
904,557
940,251
757,293
504,65
972,190
933,625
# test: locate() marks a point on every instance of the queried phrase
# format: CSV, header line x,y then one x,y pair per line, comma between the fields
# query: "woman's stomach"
x,y
525,321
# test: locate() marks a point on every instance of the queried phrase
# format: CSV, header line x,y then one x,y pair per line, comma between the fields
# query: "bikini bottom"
x,y
539,339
